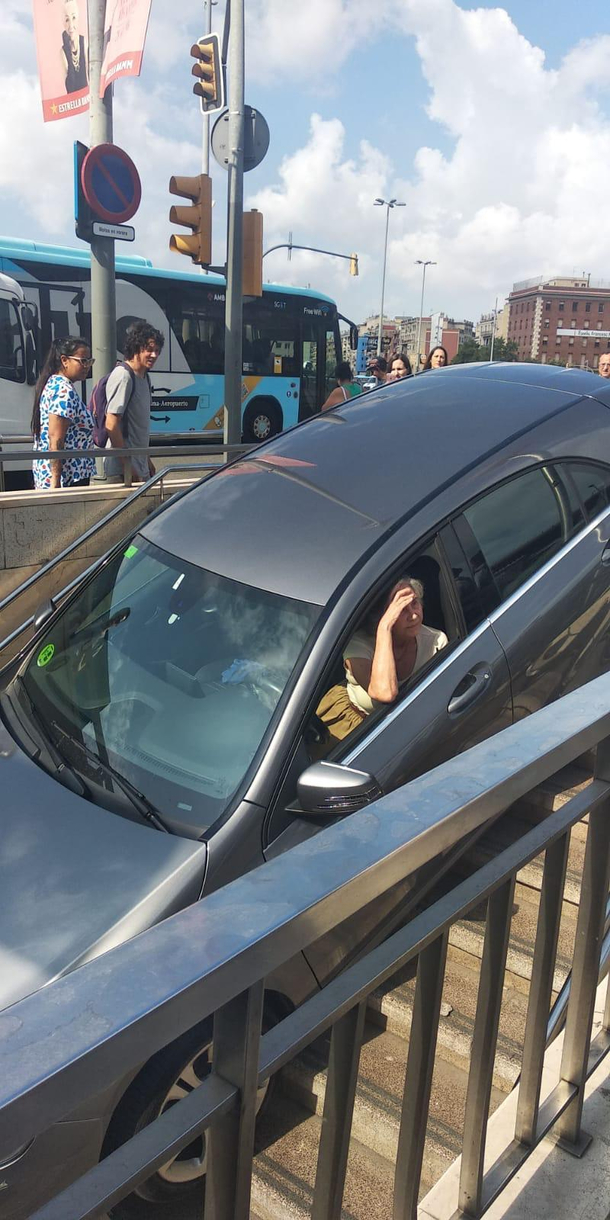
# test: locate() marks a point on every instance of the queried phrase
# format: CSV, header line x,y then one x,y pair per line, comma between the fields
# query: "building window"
x,y
558,339
586,326
571,342
573,322
600,308
588,307
545,340
574,306
547,306
561,306
597,342
584,343
546,323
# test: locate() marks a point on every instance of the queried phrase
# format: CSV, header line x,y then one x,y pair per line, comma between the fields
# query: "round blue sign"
x,y
111,183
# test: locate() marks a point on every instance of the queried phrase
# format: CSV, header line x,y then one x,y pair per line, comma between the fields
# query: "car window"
x,y
593,486
521,524
346,707
169,672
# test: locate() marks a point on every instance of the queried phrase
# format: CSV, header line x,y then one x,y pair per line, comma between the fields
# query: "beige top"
x,y
362,647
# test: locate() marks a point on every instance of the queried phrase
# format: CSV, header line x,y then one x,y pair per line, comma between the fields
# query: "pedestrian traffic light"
x,y
253,254
83,219
210,86
198,217
353,264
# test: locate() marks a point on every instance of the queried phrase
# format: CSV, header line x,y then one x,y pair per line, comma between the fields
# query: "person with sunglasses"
x,y
60,419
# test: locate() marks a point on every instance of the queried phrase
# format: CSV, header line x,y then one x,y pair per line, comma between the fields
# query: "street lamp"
x,y
423,263
385,203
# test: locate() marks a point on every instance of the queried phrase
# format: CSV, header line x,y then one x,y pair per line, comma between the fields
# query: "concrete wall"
x,y
36,525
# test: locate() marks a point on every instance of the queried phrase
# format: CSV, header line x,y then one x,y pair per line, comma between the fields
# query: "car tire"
x,y
178,1188
262,420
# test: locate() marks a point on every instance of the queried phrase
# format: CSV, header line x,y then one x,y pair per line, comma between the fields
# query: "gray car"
x,y
162,734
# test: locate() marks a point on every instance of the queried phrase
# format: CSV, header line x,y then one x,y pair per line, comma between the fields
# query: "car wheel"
x,y
178,1187
262,419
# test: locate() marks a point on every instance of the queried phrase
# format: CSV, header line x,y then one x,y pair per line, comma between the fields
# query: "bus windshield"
x,y
169,674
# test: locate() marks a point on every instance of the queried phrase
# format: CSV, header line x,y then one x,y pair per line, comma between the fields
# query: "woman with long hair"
x,y
400,366
346,387
60,419
437,359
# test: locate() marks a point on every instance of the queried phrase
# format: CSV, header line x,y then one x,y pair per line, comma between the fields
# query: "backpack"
x,y
98,404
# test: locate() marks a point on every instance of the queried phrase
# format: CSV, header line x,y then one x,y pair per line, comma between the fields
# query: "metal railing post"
x,y
483,1049
341,1081
237,1030
585,970
420,1069
543,966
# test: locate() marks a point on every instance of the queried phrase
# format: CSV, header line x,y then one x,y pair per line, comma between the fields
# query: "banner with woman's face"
x,y
60,28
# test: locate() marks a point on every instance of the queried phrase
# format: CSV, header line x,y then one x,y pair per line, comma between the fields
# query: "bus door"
x,y
319,364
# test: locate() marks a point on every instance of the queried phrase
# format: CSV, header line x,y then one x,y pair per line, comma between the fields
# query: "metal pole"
x,y
234,297
205,135
385,255
421,314
493,332
103,286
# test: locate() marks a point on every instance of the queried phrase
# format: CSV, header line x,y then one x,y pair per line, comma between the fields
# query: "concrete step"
x,y
467,936
285,1167
393,1009
378,1101
509,830
555,792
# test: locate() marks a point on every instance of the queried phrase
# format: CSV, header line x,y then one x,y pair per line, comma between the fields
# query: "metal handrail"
x,y
59,1047
557,1016
151,451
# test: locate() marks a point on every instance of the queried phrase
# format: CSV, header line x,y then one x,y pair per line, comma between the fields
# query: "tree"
x,y
470,350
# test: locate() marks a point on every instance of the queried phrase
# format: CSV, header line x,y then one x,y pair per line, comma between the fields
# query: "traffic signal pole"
x,y
103,285
234,293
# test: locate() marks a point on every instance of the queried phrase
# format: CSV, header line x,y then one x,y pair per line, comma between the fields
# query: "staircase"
x,y
288,1132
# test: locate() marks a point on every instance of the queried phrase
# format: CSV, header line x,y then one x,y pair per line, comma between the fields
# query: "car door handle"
x,y
470,688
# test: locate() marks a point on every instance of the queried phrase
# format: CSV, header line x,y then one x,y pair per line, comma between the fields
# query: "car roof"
x,y
298,513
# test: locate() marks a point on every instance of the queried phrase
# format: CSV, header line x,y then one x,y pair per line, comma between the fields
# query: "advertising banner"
x,y
60,28
124,38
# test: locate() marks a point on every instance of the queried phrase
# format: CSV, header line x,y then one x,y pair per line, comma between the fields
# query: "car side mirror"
x,y
43,613
327,790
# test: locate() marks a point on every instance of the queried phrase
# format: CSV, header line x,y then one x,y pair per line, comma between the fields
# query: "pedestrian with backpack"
x,y
121,403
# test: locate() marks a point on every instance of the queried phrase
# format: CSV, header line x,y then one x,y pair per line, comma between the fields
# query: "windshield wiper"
x,y
137,800
64,772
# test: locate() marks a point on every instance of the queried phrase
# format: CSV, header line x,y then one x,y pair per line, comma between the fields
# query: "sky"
x,y
490,122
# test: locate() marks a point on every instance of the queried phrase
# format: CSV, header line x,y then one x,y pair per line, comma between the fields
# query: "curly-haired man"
x,y
128,399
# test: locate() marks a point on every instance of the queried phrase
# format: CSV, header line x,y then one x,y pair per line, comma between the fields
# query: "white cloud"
x,y
521,190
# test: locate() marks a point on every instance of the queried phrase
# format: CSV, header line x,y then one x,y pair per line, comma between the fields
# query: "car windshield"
x,y
169,674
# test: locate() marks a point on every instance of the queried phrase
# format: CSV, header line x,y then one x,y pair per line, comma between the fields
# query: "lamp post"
x,y
423,263
385,203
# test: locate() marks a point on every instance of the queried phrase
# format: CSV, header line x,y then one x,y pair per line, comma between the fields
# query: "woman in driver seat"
x,y
377,661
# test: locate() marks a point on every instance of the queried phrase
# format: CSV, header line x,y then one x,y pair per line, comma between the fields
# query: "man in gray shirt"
x,y
128,399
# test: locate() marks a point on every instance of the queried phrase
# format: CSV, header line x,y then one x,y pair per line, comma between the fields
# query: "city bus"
x,y
291,341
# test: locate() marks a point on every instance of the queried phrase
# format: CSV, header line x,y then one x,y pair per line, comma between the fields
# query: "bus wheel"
x,y
262,419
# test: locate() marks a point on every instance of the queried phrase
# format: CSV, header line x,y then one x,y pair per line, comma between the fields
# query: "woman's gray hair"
x,y
415,584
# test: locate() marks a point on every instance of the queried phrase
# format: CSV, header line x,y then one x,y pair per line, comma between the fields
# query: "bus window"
x,y
12,366
198,330
269,347
309,375
330,364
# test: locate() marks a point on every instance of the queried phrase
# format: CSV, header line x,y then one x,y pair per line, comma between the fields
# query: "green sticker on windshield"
x,y
131,551
45,655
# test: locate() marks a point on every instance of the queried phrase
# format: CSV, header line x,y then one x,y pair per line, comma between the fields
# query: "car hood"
x,y
75,880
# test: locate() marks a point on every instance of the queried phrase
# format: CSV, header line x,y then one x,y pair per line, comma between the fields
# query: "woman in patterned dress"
x,y
60,419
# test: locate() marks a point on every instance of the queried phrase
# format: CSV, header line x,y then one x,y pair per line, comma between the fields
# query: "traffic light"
x,y
253,254
208,69
83,219
353,264
198,217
